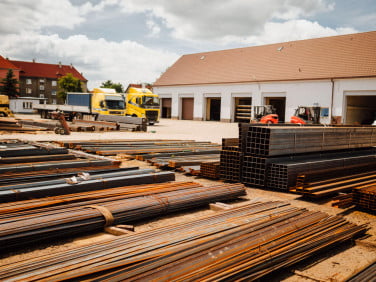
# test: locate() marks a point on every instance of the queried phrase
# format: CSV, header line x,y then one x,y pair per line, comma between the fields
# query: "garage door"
x,y
360,109
187,108
166,108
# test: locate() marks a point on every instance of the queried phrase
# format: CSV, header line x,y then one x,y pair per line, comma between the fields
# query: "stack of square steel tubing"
x,y
274,156
365,197
230,160
210,169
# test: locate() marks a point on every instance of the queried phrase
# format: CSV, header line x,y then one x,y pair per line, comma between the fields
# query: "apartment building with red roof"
x,y
5,65
40,80
338,73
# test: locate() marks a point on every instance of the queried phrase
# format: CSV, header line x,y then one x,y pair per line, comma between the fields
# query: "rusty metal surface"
x,y
59,219
244,243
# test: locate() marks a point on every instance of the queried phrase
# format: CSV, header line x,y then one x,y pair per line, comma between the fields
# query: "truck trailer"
x,y
102,101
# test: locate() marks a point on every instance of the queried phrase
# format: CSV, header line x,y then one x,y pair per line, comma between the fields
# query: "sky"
x,y
135,41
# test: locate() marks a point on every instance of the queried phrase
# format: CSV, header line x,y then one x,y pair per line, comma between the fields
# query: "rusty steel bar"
x,y
244,243
28,228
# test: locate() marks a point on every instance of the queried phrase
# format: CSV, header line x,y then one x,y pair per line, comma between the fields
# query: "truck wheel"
x,y
57,130
78,116
2,114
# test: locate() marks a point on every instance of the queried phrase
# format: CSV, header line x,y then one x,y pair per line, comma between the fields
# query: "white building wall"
x,y
297,93
354,87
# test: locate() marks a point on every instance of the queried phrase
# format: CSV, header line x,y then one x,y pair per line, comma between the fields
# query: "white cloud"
x,y
99,60
215,20
274,32
154,28
25,15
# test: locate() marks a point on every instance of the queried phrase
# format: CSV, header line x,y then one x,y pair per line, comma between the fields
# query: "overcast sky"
x,y
132,41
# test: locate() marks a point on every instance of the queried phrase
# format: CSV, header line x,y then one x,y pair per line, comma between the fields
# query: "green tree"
x,y
117,86
9,85
68,83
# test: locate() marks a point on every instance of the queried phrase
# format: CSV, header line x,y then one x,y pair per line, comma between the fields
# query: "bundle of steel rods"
x,y
367,274
21,149
244,243
59,187
132,148
335,185
18,178
28,227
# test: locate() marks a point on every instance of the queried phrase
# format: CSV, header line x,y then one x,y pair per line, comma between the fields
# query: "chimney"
x,y
33,60
71,66
60,66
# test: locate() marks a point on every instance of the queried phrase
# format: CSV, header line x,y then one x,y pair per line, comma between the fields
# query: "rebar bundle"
x,y
29,226
244,243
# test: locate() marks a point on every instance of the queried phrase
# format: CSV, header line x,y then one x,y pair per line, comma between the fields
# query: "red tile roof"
x,y
345,56
33,69
6,64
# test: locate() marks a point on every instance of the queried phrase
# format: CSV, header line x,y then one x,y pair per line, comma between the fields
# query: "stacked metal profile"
x,y
230,160
65,216
289,140
131,149
365,197
245,243
366,274
126,122
288,173
210,169
273,156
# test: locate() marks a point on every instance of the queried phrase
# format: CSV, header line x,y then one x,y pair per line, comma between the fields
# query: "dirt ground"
x,y
336,264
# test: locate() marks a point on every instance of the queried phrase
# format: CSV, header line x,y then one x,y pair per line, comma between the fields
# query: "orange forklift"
x,y
306,115
265,114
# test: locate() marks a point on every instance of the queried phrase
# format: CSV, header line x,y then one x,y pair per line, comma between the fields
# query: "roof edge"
x,y
259,81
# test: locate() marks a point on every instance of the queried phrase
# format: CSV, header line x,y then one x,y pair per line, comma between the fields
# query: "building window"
x,y
27,105
53,101
28,90
53,83
28,81
41,87
41,95
41,80
53,92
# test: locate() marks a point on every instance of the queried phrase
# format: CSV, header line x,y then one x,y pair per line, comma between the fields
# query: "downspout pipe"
x,y
331,101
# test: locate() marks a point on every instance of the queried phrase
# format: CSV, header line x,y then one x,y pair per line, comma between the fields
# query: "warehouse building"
x,y
336,73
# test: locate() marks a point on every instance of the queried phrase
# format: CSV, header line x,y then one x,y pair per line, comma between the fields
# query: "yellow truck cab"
x,y
106,101
4,106
141,102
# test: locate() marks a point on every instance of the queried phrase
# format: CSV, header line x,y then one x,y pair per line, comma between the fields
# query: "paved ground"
x,y
166,129
334,265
